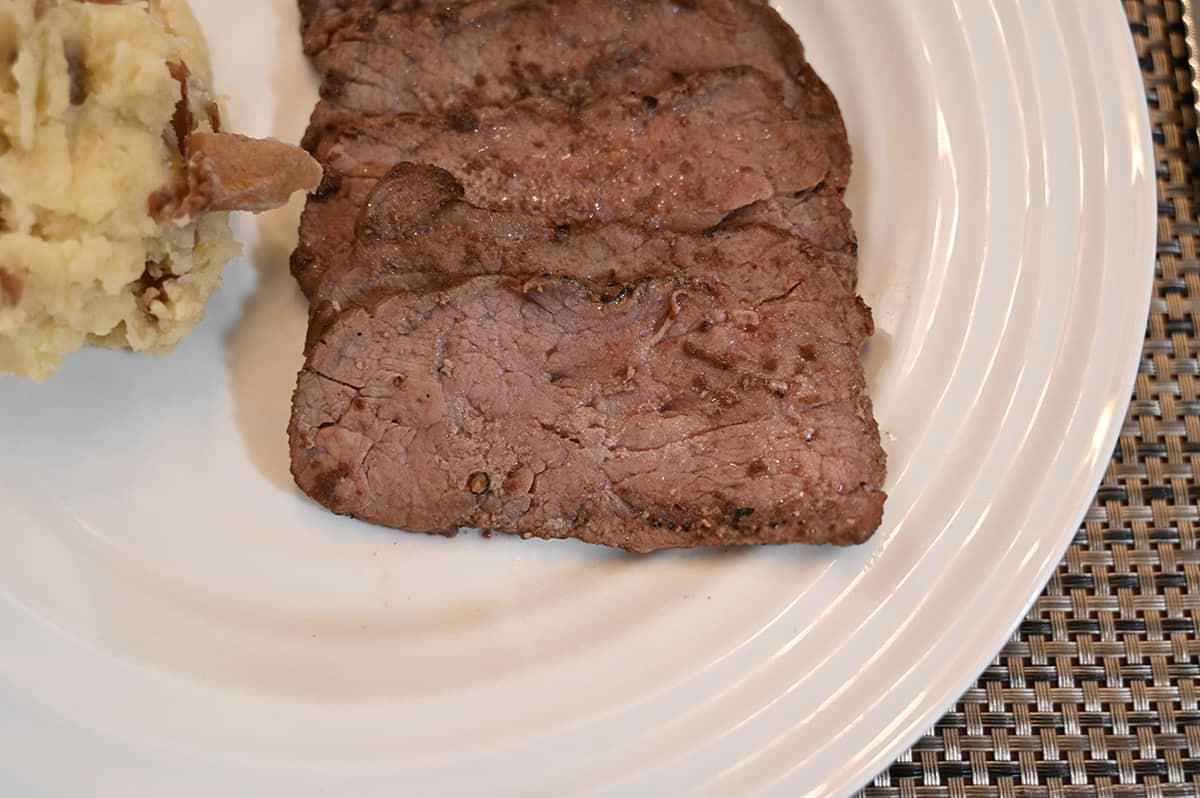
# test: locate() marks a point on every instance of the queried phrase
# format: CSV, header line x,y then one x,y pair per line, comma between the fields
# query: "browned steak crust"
x,y
684,158
382,57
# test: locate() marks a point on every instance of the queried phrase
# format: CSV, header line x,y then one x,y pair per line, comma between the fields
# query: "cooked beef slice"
x,y
416,231
661,413
327,237
582,347
706,146
710,144
409,56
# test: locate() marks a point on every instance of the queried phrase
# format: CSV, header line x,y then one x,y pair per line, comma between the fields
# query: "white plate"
x,y
176,620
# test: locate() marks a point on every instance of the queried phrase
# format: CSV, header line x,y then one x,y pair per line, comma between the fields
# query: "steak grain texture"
x,y
549,407
683,159
416,230
381,58
581,269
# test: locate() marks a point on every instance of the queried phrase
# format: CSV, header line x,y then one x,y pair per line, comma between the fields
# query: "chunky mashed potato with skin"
x,y
109,230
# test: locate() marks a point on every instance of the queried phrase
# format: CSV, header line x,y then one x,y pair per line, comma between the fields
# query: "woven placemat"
x,y
1098,692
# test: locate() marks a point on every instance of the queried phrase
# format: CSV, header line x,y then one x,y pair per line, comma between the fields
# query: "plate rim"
x,y
947,698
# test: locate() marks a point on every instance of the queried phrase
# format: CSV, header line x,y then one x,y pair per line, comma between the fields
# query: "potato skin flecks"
x,y
97,103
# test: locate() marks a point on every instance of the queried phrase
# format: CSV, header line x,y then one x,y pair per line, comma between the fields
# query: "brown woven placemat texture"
x,y
1098,692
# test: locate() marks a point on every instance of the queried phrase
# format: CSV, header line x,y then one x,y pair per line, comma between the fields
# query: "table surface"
x,y
1098,692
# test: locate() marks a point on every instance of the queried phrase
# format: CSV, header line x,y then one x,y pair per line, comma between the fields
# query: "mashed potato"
x,y
110,231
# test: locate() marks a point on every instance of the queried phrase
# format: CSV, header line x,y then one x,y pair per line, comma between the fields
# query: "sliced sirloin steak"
x,y
626,385
682,159
549,407
381,57
416,231
329,233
